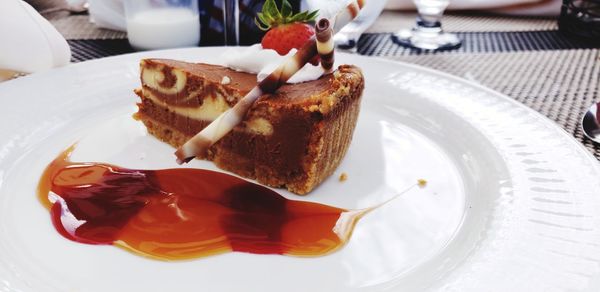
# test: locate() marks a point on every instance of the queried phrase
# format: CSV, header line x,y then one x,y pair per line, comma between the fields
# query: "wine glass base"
x,y
418,39
346,42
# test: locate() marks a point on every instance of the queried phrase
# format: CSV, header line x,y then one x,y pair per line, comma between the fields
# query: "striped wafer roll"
x,y
325,46
347,14
286,70
200,143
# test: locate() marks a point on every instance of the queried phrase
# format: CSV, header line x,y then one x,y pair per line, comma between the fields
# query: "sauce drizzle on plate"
x,y
183,213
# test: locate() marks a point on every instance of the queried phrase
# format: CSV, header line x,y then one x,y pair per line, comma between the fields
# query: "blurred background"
x,y
110,14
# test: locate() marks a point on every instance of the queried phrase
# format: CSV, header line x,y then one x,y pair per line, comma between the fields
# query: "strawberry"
x,y
285,30
283,38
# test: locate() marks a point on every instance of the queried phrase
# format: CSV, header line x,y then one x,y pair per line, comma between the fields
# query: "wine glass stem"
x,y
231,22
429,20
430,12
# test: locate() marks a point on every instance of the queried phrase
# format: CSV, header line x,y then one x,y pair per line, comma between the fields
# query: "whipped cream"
x,y
256,60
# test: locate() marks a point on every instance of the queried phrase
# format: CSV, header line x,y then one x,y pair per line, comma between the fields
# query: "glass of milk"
x,y
162,24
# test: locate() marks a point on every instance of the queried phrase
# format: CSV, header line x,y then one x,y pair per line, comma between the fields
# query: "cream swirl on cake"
x,y
262,62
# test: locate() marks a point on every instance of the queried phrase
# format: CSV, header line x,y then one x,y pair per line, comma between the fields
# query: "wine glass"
x,y
231,21
428,33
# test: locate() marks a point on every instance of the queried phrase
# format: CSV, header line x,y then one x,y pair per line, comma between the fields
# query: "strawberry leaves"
x,y
286,9
272,16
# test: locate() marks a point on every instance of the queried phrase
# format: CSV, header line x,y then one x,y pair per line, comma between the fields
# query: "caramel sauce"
x,y
176,214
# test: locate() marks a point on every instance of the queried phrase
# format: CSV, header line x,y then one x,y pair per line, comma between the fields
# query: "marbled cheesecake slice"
x,y
294,138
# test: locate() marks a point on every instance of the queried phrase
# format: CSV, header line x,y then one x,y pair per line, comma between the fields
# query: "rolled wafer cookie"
x,y
325,46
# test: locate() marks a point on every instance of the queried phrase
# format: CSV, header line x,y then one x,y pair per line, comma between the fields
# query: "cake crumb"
x,y
313,108
226,80
421,183
343,177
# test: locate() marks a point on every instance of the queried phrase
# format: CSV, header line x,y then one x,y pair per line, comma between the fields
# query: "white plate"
x,y
512,202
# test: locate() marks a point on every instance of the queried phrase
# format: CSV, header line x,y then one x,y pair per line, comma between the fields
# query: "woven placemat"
x,y
381,44
559,84
391,21
83,50
79,27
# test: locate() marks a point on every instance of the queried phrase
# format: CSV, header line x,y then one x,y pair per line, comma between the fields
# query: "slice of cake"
x,y
294,138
